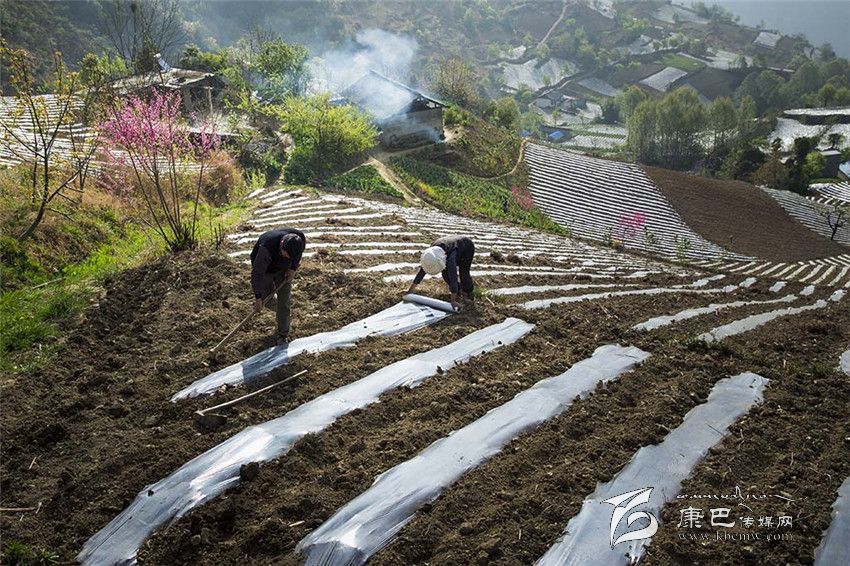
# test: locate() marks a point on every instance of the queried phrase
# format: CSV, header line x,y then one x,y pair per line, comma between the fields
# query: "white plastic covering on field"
x,y
844,362
655,473
371,520
398,319
778,286
832,550
660,321
546,303
754,321
528,289
217,469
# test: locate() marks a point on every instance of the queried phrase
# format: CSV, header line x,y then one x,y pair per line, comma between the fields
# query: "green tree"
x,y
722,121
326,136
814,165
629,99
746,121
454,80
506,112
282,70
196,59
610,111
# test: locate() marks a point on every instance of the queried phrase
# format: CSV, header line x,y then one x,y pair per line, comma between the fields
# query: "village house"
x,y
200,91
404,116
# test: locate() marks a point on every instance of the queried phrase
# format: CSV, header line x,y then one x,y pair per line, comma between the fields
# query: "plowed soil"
x,y
741,218
86,434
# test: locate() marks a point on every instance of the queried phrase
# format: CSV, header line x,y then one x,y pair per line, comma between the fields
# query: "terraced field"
x,y
618,203
582,378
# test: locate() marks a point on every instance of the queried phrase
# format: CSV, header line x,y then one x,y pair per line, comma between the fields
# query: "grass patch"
x,y
681,62
31,316
480,149
17,553
364,179
468,195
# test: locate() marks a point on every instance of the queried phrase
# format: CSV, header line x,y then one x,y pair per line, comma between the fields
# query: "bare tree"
x,y
39,130
836,214
138,29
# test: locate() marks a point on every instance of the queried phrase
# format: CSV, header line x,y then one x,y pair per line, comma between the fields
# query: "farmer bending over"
x,y
274,259
449,255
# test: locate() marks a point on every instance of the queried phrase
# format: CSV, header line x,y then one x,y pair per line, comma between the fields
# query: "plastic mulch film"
x,y
617,522
546,303
754,321
429,302
368,522
217,469
660,321
832,550
528,289
844,362
400,318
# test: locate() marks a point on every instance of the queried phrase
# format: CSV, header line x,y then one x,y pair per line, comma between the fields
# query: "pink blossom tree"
x,y
153,156
522,197
629,226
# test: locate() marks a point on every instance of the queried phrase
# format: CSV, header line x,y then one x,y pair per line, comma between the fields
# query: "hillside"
x,y
107,431
641,365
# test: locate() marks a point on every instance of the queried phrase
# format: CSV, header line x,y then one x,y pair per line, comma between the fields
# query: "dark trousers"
x,y
465,256
279,304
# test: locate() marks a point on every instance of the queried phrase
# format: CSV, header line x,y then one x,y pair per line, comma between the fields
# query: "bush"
x,y
327,137
223,180
455,116
299,167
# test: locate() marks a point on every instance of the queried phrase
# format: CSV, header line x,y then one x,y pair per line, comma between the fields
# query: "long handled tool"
x,y
245,320
215,420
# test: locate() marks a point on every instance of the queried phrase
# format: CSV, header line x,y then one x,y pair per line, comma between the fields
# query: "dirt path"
x,y
393,179
555,25
516,166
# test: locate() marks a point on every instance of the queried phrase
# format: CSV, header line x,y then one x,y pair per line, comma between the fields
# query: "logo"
x,y
625,503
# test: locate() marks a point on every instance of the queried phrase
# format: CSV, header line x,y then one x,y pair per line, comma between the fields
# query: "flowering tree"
x,y
40,130
629,226
159,155
523,198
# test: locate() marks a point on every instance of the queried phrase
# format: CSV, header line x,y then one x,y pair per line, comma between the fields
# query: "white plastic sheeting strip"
x,y
400,318
415,266
478,273
660,321
371,520
528,289
778,286
832,550
754,321
217,469
705,281
844,362
546,303
655,473
321,218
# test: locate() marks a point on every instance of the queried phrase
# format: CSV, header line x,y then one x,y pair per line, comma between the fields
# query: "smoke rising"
x,y
372,49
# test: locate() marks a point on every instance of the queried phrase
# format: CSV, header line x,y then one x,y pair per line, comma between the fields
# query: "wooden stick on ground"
x,y
249,395
19,509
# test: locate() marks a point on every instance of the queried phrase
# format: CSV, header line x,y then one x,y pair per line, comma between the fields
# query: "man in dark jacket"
x,y
274,259
450,255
